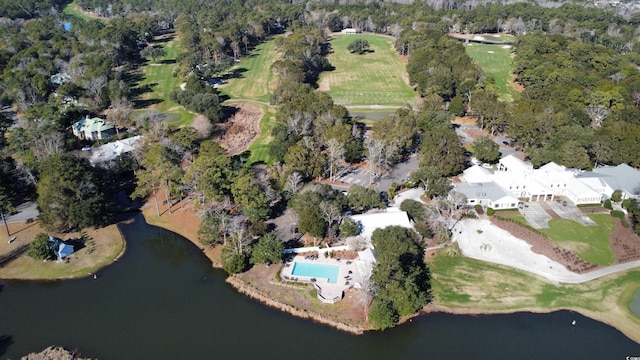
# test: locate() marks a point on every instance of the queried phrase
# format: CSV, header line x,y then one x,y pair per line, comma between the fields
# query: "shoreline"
x,y
121,242
243,288
438,308
246,289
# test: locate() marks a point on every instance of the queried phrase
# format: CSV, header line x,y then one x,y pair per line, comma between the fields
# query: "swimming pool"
x,y
329,272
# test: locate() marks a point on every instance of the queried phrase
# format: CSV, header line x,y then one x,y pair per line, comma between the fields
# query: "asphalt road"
x,y
26,211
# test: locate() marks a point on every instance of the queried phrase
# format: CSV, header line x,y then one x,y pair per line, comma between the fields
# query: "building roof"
x,y
552,167
476,173
484,190
114,149
60,78
91,125
628,178
372,221
581,189
512,163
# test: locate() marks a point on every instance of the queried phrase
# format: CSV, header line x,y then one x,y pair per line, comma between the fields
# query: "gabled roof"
x,y
512,163
87,124
485,190
114,149
476,173
628,178
552,167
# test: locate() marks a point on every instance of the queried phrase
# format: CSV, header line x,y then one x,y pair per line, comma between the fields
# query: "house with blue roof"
x,y
92,129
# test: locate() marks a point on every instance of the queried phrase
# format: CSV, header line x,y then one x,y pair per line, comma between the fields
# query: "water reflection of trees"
x,y
170,247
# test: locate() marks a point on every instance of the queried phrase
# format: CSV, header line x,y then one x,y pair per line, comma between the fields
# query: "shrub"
x,y
607,204
233,263
616,196
617,214
490,211
39,248
349,228
415,209
423,229
478,209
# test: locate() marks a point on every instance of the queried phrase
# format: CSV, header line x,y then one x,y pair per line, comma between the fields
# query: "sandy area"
x,y
483,240
237,133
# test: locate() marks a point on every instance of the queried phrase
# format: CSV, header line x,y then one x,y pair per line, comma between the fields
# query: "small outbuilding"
x,y
60,248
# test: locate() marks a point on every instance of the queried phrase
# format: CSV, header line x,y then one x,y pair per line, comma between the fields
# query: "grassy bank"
x,y
260,148
103,247
466,285
495,61
375,78
158,77
73,9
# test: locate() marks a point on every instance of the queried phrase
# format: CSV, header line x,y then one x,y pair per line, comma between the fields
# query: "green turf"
x,y
255,76
375,78
72,9
260,148
591,243
462,282
495,61
160,77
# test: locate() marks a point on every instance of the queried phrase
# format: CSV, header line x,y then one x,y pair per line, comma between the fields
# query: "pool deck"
x,y
327,292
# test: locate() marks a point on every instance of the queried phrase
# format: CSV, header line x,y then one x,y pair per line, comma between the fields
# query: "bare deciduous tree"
x,y
294,183
335,150
375,150
331,214
597,113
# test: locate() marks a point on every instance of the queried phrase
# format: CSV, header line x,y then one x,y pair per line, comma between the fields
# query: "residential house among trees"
x,y
92,129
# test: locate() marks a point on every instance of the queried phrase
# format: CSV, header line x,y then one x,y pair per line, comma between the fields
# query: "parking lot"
x,y
353,175
535,215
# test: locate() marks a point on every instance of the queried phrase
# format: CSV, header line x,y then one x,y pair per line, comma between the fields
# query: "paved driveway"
x,y
535,215
353,175
571,212
26,211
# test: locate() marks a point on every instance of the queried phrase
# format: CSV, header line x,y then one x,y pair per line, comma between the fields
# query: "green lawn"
x,y
481,287
260,148
495,61
255,78
72,9
375,78
591,243
159,77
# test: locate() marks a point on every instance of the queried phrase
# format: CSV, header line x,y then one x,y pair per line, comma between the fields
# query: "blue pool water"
x,y
316,270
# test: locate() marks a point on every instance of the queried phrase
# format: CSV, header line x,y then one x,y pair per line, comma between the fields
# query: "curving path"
x,y
481,240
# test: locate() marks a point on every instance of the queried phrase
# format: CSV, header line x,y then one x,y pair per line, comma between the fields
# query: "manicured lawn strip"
x,y
591,243
256,76
375,78
480,287
260,147
160,77
496,65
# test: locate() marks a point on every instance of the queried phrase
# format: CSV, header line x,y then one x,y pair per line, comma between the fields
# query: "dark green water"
x,y
163,301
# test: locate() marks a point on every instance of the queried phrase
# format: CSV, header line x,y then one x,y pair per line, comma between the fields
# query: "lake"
x,y
162,300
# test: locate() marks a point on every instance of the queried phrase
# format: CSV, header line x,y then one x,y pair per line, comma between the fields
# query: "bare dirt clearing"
x,y
237,133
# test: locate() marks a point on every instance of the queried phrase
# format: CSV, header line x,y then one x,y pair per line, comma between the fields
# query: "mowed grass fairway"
x,y
495,61
255,77
73,9
474,286
591,243
159,77
375,78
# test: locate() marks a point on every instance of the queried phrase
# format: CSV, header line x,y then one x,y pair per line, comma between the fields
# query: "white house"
x,y
487,194
349,31
112,150
379,220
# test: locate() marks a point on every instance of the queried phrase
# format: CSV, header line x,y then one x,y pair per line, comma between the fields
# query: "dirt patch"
x,y
324,84
477,133
544,246
237,133
625,244
465,120
516,84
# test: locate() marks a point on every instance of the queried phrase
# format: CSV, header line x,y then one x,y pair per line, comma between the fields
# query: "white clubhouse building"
x,y
514,179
